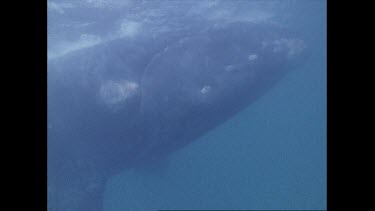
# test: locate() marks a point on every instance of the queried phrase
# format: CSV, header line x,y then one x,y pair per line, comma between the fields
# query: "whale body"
x,y
129,103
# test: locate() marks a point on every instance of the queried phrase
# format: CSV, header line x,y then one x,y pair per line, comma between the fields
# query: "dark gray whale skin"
x,y
129,103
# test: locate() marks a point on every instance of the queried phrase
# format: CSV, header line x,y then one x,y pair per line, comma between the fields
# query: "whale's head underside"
x,y
129,102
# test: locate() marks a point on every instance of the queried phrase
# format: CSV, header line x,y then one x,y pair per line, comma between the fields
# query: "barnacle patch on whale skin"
x,y
117,92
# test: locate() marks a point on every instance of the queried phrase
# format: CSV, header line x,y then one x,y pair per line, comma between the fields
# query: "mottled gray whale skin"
x,y
127,104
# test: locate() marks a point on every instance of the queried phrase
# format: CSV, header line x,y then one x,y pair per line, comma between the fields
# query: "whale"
x,y
129,103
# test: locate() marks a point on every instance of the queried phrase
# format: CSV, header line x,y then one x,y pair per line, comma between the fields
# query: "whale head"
x,y
228,63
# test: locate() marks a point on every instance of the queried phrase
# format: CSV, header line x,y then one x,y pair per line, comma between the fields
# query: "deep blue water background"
x,y
272,155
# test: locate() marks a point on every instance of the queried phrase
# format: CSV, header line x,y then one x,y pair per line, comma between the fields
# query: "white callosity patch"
x,y
252,57
89,40
84,41
58,7
213,10
107,4
115,92
205,89
77,25
129,28
229,68
293,46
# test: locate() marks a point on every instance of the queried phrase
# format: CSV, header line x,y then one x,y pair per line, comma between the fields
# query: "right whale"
x,y
122,104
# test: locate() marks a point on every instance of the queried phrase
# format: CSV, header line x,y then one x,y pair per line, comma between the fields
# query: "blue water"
x,y
272,155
